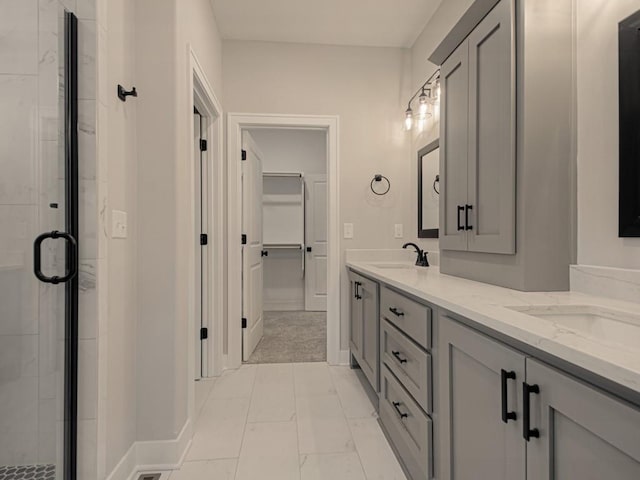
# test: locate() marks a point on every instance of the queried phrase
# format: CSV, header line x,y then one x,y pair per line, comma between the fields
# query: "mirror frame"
x,y
430,232
629,78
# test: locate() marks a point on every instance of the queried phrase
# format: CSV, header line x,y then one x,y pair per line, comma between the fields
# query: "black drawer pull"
x,y
357,287
527,431
506,414
400,359
460,210
396,405
467,208
396,312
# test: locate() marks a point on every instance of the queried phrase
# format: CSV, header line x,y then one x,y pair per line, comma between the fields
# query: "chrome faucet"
x,y
422,260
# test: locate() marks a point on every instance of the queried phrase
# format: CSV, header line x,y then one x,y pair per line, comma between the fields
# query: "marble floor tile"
x,y
269,452
235,383
224,469
343,466
378,460
322,426
220,429
312,379
354,400
273,397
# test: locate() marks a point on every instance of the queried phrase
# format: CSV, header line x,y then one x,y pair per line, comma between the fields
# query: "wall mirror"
x,y
629,83
429,190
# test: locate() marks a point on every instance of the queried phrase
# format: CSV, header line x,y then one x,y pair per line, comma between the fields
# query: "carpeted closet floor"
x,y
292,337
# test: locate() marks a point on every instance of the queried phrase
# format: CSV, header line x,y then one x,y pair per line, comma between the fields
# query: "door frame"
x,y
203,97
236,123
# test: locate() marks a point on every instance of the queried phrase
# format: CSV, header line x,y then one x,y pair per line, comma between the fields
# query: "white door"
x,y
252,271
316,243
202,240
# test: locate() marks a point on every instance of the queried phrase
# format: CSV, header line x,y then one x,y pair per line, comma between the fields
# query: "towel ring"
x,y
379,178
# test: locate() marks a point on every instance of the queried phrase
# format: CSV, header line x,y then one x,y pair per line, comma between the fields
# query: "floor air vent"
x,y
150,476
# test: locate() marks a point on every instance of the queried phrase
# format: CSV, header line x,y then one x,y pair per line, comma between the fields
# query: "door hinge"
x,y
244,154
204,333
244,239
204,239
203,145
244,323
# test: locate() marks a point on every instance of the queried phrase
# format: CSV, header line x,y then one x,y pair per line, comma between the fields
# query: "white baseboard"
x,y
343,357
150,456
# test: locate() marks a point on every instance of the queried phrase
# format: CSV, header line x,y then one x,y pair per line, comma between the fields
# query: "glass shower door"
x,y
38,248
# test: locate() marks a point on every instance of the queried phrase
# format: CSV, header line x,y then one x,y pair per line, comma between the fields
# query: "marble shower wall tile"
x,y
87,42
19,96
19,33
616,283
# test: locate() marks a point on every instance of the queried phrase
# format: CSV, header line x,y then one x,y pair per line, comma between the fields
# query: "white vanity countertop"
x,y
486,305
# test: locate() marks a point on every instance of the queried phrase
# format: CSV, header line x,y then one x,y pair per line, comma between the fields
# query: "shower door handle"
x,y
72,258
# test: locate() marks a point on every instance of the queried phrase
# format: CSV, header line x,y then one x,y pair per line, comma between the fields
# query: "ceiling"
x,y
372,23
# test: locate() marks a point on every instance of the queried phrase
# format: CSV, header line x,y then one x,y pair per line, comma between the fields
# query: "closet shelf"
x,y
283,246
283,174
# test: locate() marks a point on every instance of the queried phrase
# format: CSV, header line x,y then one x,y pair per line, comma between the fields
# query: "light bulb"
x,y
424,104
438,90
408,120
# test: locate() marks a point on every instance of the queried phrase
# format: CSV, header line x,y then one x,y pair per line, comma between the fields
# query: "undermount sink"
x,y
394,266
598,323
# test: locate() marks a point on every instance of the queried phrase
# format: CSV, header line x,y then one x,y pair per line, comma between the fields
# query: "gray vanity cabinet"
x,y
365,326
478,138
476,442
584,433
575,431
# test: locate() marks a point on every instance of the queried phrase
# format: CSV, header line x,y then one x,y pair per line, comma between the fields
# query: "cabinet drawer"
x,y
411,317
409,429
410,364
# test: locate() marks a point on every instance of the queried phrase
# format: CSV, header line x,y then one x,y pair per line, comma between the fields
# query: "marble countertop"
x,y
487,305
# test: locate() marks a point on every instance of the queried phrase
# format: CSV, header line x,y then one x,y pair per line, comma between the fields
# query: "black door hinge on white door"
x,y
203,145
244,323
204,333
244,239
244,154
204,239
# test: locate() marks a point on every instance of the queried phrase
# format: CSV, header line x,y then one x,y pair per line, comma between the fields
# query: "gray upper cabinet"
x,y
584,433
478,138
364,329
476,441
454,118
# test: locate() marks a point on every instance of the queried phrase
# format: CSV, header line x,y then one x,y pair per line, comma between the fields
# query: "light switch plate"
x,y
399,230
118,224
348,230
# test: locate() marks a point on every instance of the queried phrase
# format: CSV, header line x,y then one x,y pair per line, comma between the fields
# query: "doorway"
x,y
285,258
275,289
207,290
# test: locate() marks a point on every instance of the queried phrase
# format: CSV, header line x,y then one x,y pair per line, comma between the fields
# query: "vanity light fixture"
x,y
429,95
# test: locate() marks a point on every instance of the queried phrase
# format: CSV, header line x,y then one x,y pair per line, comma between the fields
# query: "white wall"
x,y
286,150
598,242
367,88
292,150
164,31
118,175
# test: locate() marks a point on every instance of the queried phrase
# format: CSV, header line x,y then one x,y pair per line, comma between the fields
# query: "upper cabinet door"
x,y
454,119
491,211
583,433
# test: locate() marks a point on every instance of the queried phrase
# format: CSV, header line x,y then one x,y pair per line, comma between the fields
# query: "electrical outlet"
x,y
348,230
399,230
118,224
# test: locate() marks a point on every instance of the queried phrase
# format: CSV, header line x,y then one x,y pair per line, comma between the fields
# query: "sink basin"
x,y
598,323
394,266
